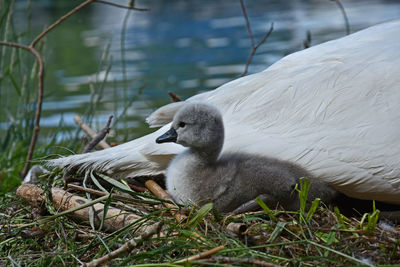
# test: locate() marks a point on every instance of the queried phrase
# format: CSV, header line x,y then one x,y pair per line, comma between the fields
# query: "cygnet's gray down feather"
x,y
230,180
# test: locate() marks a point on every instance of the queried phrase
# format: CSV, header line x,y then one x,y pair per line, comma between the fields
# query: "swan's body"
x,y
333,109
200,174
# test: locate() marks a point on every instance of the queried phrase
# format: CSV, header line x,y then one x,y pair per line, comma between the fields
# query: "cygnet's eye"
x,y
181,124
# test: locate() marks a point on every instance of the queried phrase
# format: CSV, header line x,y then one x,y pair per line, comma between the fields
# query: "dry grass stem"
x,y
202,255
128,246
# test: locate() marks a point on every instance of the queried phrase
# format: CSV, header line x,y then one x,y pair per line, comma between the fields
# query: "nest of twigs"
x,y
103,221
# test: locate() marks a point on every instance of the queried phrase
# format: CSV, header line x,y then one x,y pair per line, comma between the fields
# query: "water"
x,y
182,46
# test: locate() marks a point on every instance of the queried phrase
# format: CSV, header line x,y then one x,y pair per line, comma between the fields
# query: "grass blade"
x,y
265,208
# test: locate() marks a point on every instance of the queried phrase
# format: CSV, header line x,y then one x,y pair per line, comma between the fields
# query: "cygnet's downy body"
x,y
230,180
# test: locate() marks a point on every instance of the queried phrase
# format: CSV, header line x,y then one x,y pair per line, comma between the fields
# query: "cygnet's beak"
x,y
169,136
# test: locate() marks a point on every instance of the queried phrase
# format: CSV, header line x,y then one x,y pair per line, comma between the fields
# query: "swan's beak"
x,y
169,136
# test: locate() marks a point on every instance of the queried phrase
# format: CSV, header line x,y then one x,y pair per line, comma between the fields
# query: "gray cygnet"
x,y
232,181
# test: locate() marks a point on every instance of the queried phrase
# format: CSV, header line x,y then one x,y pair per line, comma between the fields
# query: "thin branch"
x,y
92,134
174,97
132,7
247,22
31,49
60,20
99,137
253,46
36,128
161,193
202,255
346,19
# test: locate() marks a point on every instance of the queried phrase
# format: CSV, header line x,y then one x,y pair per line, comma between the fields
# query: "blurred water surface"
x,y
184,46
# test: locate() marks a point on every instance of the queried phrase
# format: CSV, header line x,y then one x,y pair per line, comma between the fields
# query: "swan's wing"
x,y
164,115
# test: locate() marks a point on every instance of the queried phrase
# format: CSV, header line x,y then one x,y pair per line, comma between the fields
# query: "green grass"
x,y
27,237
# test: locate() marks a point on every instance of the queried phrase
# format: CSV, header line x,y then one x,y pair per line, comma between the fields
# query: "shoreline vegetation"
x,y
90,219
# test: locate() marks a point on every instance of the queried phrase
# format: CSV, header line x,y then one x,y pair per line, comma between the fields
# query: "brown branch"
x,y
92,134
128,246
99,137
161,193
202,255
36,128
174,97
253,46
59,21
132,7
39,59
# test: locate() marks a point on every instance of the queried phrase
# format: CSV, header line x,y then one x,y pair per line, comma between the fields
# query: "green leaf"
x,y
265,208
116,183
14,83
106,206
280,226
96,182
313,208
200,214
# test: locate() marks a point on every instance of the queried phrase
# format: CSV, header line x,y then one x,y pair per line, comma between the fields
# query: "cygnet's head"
x,y
197,125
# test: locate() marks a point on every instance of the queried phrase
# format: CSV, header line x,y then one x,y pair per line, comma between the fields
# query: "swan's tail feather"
x,y
164,115
139,157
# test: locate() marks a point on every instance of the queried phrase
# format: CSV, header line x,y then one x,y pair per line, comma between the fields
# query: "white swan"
x,y
230,180
333,109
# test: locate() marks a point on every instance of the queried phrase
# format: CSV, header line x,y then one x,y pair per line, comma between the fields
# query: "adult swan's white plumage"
x,y
334,109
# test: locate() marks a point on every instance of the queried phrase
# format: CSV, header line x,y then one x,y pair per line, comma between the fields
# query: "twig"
x,y
31,48
253,46
160,193
202,255
153,229
78,120
122,6
60,20
174,97
99,137
346,19
241,260
36,128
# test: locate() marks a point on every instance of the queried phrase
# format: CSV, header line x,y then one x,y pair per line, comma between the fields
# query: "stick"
x,y
92,134
160,193
128,246
64,201
253,46
174,97
31,49
99,137
202,255
36,128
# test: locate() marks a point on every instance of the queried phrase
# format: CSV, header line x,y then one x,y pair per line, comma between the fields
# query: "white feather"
x,y
332,108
